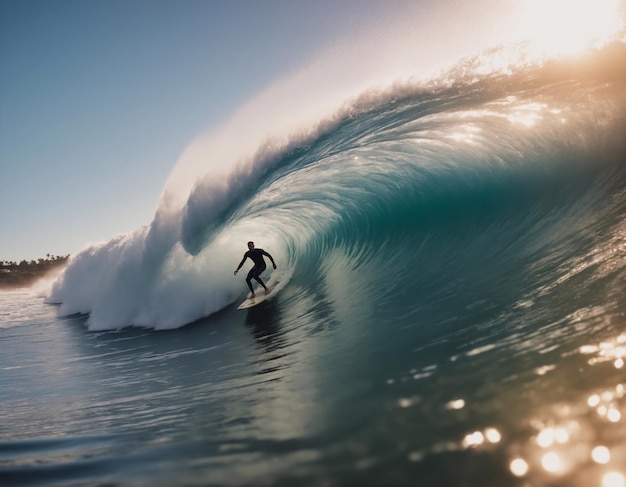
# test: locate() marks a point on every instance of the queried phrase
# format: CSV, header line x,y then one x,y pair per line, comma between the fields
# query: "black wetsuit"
x,y
256,255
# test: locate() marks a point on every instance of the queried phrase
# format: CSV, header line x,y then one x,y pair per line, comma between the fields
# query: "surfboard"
x,y
276,282
259,297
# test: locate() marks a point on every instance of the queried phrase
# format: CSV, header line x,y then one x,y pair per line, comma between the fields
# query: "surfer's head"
x,y
250,245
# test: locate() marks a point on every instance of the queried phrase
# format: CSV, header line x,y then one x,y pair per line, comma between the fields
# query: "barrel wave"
x,y
495,193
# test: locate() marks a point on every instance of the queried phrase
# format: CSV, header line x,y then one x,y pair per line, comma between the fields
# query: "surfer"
x,y
256,255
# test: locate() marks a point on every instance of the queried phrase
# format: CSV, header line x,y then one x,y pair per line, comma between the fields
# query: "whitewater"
x,y
452,262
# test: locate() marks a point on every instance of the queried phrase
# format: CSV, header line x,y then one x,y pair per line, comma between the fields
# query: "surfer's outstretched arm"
x,y
245,256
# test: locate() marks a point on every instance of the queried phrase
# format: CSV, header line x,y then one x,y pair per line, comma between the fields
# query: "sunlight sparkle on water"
x,y
473,439
519,467
593,400
405,403
493,435
613,415
570,438
606,403
477,438
610,351
456,404
551,462
601,454
549,436
613,479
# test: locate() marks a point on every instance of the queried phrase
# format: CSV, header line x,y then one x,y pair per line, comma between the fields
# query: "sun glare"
x,y
559,27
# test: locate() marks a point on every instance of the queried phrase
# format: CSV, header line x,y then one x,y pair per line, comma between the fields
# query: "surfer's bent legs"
x,y
255,274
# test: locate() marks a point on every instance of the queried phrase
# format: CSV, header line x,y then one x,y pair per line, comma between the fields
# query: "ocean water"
x,y
449,305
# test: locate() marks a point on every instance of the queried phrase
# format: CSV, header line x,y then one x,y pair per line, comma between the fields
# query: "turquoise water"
x,y
452,261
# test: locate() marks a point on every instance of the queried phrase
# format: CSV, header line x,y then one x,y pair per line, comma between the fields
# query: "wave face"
x,y
500,185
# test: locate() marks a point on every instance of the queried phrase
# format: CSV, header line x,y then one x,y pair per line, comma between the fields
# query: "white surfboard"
x,y
259,297
276,282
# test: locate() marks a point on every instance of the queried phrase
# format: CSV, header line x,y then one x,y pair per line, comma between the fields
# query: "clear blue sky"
x,y
99,98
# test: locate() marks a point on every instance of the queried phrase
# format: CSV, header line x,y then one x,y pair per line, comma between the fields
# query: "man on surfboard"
x,y
256,255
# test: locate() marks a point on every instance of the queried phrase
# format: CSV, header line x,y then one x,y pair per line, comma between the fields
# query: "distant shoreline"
x,y
15,275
